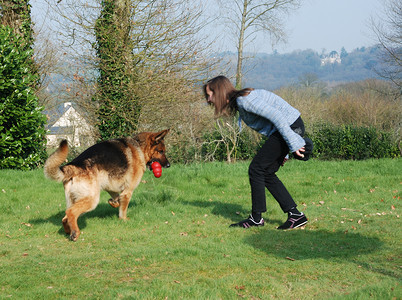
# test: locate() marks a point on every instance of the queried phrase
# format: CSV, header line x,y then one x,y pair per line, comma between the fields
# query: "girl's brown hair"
x,y
223,91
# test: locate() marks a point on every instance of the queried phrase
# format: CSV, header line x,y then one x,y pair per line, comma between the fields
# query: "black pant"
x,y
263,168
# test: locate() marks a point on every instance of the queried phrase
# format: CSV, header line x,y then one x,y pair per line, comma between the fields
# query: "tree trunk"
x,y
239,75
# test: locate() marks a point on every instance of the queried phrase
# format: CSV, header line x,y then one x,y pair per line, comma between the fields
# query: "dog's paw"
x,y
74,236
114,203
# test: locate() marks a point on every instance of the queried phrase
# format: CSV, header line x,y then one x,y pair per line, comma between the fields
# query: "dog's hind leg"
x,y
115,200
72,213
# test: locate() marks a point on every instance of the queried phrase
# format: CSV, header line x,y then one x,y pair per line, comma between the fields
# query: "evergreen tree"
x,y
119,107
22,133
344,53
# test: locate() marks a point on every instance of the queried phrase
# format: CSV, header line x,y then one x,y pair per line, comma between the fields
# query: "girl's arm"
x,y
276,117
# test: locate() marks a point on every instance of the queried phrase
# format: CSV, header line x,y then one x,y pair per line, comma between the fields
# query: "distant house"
x,y
331,59
65,122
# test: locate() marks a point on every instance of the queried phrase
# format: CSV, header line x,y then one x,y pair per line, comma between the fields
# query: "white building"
x,y
331,59
65,122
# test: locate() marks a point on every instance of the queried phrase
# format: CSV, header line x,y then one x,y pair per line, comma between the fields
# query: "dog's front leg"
x,y
67,228
124,201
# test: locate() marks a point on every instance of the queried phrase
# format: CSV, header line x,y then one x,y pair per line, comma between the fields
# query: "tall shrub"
x,y
22,133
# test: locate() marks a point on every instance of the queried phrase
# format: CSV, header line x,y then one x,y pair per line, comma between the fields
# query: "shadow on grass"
x,y
312,244
233,212
103,210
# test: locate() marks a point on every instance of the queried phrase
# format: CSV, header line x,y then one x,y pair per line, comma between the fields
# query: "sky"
x,y
330,25
320,25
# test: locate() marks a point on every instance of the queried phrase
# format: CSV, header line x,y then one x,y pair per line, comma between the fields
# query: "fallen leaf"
x,y
392,207
289,258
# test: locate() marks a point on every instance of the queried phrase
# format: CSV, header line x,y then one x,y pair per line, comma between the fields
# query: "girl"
x,y
273,117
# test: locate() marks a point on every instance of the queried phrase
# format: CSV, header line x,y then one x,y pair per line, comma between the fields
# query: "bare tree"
x,y
248,17
229,134
165,58
388,32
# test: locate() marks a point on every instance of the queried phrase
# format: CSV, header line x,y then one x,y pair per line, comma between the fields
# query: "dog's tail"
x,y
52,165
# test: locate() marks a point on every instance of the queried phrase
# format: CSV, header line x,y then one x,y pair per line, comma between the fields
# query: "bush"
x,y
214,149
22,133
352,142
330,142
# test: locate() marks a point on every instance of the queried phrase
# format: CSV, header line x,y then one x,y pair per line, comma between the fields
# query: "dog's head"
x,y
153,146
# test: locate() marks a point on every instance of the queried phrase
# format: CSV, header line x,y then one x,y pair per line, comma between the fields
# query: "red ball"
x,y
156,169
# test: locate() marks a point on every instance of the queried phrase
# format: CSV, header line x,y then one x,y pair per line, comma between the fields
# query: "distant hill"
x,y
272,71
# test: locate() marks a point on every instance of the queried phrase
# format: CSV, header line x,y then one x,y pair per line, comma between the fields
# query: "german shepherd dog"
x,y
115,166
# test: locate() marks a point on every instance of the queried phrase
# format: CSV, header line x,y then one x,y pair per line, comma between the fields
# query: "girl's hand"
x,y
285,160
299,152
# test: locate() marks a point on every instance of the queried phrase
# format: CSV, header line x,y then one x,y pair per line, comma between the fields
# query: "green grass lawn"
x,y
177,243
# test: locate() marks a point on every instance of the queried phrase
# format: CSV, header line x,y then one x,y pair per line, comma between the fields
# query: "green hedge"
x,y
330,142
352,142
22,132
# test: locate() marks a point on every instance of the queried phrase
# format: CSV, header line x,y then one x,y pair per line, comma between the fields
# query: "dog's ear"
x,y
160,135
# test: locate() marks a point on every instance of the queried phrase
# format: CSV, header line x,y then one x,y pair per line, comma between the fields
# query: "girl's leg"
x,y
262,175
